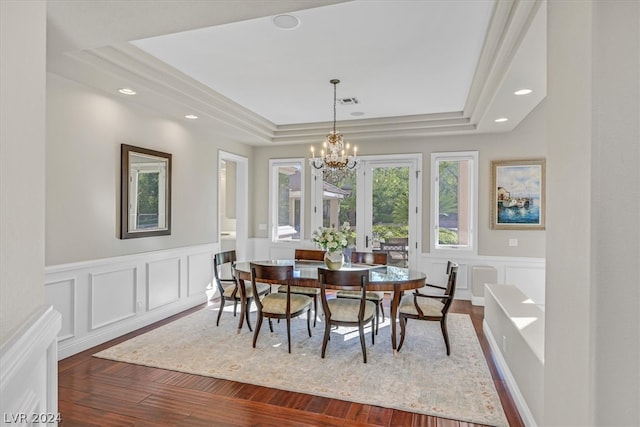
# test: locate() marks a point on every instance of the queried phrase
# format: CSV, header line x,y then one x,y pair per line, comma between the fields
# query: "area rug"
x,y
421,378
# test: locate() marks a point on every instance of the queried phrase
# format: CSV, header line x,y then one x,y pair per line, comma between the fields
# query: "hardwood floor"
x,y
98,392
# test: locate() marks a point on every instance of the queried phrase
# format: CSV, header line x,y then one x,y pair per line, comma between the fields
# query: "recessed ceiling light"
x,y
191,116
523,92
357,113
501,120
286,22
127,91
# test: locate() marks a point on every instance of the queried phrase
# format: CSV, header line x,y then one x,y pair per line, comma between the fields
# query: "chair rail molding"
x,y
103,299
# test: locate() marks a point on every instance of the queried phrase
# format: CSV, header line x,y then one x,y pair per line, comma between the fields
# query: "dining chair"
x,y
368,258
397,248
346,311
433,307
278,305
228,284
307,255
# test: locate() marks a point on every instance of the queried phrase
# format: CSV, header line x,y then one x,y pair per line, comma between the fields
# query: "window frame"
x,y
274,165
472,248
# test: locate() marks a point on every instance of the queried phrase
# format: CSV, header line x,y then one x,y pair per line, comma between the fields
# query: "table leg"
x,y
243,303
395,302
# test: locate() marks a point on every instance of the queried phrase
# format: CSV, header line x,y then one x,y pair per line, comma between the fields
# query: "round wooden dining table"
x,y
385,278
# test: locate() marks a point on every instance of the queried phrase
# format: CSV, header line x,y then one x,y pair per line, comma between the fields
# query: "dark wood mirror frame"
x,y
160,165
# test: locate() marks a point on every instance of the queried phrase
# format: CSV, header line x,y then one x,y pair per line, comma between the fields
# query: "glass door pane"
x,y
387,211
339,195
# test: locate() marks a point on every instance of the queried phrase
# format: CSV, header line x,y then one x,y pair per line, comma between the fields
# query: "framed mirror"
x,y
145,203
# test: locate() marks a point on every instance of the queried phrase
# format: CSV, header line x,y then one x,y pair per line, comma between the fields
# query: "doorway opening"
x,y
233,203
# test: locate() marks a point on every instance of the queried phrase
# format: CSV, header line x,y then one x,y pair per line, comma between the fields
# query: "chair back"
x,y
309,255
369,258
449,265
272,274
345,280
451,285
219,260
398,241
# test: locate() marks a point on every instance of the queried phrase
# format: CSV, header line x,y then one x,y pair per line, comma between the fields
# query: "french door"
x,y
380,200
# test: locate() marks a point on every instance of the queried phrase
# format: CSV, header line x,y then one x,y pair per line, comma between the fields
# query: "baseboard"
x,y
514,390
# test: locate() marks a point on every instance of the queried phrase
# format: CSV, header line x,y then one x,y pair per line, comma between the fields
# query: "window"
x,y
454,200
287,189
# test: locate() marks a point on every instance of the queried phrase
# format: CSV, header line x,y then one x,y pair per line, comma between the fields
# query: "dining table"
x,y
385,278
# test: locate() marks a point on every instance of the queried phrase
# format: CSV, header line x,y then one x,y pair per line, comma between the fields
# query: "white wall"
x,y
616,304
526,141
22,160
592,338
85,128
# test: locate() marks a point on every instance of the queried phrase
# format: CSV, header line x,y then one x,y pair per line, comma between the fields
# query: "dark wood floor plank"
x,y
318,404
162,416
379,416
100,392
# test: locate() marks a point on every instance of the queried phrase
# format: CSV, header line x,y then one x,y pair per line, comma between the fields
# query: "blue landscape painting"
x,y
519,194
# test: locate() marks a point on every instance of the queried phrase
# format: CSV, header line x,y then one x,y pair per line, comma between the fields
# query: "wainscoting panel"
x,y
29,379
113,296
62,295
199,273
103,299
163,282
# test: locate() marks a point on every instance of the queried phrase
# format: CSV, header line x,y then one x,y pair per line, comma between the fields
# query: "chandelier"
x,y
334,155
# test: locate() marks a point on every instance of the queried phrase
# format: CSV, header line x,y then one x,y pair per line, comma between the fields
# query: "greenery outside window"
x,y
454,181
286,199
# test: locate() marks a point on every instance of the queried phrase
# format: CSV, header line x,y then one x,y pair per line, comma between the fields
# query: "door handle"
x,y
366,242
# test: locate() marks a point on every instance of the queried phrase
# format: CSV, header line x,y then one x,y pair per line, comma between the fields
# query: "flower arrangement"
x,y
331,239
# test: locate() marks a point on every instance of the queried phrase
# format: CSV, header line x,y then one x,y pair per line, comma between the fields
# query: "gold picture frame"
x,y
518,194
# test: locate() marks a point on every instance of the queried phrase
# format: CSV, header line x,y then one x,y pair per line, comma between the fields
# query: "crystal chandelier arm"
x,y
334,156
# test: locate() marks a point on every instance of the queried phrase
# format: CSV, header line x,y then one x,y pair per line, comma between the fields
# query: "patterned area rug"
x,y
421,378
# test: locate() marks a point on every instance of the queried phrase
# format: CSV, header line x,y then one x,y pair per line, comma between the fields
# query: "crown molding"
x,y
160,86
508,27
164,88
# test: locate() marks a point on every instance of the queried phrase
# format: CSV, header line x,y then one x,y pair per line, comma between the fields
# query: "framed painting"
x,y
517,194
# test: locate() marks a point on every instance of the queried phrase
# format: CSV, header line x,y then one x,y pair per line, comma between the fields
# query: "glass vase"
x,y
334,260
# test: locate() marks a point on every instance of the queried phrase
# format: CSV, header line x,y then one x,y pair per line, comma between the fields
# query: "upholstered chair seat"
x,y
263,288
429,307
346,310
277,303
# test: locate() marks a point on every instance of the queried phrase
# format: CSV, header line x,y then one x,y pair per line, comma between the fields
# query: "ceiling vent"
x,y
348,101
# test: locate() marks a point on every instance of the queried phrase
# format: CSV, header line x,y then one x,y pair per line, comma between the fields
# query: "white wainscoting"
x,y
29,376
528,274
103,299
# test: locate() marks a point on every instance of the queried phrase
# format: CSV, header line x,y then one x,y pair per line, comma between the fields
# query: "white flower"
x,y
330,239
